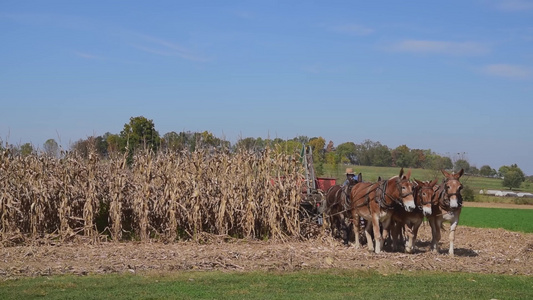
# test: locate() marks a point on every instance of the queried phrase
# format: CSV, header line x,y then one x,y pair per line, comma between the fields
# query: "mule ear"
x,y
433,182
401,173
359,177
418,182
446,174
379,178
408,174
458,175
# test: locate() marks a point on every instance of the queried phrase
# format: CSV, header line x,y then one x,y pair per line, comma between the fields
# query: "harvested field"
x,y
497,205
54,211
477,250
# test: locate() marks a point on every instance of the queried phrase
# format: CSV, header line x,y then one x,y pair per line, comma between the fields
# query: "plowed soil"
x,y
476,250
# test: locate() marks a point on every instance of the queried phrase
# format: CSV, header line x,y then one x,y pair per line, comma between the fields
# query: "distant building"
x,y
525,195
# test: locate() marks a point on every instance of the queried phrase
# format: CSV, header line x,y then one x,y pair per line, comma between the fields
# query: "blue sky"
x,y
450,76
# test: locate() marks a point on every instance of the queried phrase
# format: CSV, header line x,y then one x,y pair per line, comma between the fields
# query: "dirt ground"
x,y
476,250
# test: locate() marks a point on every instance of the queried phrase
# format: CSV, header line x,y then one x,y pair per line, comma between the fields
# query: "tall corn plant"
x,y
167,196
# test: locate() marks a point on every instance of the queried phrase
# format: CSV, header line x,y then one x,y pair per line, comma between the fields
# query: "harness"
x,y
381,200
380,196
347,201
444,197
418,195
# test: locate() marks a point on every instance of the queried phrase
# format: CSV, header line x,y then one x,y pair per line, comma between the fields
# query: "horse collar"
x,y
381,199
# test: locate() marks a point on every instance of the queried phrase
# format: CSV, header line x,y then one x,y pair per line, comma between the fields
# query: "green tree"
x,y
115,143
371,153
81,147
419,158
346,153
140,133
503,170
171,142
462,164
512,176
51,148
288,147
26,149
332,159
468,193
446,163
100,145
318,144
474,170
381,156
487,171
250,143
96,145
403,157
206,140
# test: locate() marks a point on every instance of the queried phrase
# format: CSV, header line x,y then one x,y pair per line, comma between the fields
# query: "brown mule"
x,y
447,203
376,202
410,221
338,208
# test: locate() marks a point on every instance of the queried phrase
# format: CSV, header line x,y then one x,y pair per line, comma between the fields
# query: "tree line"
x,y
140,133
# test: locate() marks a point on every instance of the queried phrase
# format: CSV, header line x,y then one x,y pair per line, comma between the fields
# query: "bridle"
x,y
381,199
444,196
419,195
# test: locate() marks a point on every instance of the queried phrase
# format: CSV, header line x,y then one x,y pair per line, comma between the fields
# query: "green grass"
x,y
372,173
320,284
510,219
476,183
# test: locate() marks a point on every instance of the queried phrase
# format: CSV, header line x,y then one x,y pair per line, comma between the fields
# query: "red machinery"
x,y
313,200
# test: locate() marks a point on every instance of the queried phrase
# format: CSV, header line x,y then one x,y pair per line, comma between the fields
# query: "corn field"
x,y
164,196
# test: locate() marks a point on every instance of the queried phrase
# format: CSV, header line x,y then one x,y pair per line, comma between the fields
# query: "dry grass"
x,y
164,196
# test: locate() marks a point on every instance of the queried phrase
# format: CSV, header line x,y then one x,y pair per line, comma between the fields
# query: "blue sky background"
x,y
450,76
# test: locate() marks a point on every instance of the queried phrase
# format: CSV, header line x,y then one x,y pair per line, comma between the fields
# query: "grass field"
x,y
323,284
475,183
510,219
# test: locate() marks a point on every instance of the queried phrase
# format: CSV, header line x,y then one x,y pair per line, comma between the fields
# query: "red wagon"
x,y
315,188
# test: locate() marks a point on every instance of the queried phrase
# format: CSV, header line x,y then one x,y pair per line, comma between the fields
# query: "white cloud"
x,y
507,70
353,29
514,5
440,47
162,47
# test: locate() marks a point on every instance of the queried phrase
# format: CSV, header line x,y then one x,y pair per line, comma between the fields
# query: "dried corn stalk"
x,y
169,196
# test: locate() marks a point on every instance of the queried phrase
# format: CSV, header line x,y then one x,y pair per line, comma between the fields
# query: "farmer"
x,y
350,177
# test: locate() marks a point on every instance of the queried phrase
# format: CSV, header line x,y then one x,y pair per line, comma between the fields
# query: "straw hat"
x,y
349,171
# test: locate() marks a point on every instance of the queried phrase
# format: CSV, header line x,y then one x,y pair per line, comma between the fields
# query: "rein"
x,y
382,200
371,188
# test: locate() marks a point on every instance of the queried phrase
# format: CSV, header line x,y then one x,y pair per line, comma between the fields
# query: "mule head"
x,y
405,188
452,188
424,192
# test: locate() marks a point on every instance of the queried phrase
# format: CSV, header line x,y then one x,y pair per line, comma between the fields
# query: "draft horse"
x,y
338,208
409,222
447,204
376,202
